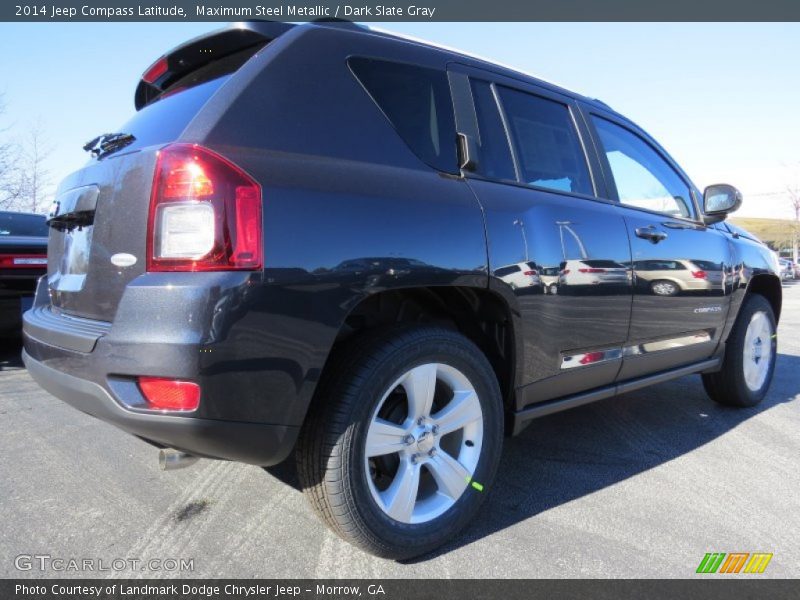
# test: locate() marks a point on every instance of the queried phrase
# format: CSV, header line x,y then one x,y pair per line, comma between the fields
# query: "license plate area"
x,y
72,267
71,217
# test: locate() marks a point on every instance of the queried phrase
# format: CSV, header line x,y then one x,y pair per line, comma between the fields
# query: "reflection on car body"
x,y
520,275
549,278
592,272
671,277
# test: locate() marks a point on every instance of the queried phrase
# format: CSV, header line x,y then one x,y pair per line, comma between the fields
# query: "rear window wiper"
x,y
107,143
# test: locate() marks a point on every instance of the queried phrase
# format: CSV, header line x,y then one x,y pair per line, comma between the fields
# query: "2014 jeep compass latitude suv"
x,y
291,248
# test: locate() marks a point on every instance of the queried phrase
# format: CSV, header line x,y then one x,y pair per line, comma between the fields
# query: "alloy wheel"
x,y
423,443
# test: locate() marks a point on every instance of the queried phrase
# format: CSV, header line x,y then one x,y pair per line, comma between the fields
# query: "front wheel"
x,y
749,362
403,441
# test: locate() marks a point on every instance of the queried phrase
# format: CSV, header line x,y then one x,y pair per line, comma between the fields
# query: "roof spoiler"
x,y
202,50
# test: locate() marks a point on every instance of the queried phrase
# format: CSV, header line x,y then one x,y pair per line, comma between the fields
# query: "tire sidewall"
x,y
754,304
457,353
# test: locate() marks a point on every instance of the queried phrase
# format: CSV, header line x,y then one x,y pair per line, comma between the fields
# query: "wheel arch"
x,y
484,316
769,286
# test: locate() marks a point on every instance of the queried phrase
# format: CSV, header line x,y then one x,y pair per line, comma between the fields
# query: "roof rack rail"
x,y
338,21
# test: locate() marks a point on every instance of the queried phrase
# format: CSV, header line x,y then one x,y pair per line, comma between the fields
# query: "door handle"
x,y
651,233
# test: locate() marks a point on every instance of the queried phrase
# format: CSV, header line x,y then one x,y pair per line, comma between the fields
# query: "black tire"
x,y
728,385
331,448
668,285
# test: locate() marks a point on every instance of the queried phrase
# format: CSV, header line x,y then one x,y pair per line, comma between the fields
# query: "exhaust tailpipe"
x,y
170,459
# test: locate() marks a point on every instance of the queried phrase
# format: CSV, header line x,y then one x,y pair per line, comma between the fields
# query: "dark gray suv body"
x,y
292,244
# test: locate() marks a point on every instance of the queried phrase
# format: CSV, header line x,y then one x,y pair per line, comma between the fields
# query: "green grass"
x,y
778,233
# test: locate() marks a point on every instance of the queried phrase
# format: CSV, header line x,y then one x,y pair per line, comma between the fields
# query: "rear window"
x,y
416,100
603,264
707,265
503,271
660,265
22,224
165,119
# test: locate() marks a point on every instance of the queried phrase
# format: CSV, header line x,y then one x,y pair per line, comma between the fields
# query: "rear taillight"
x,y
565,272
529,273
170,394
699,274
205,213
23,261
592,270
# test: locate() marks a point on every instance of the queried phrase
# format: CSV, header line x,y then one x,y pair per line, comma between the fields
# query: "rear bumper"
x,y
182,328
254,443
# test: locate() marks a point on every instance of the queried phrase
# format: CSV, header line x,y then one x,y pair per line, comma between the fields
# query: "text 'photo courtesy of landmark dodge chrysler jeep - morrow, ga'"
x,y
292,249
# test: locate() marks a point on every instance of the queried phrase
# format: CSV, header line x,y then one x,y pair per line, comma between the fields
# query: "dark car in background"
x,y
293,246
23,259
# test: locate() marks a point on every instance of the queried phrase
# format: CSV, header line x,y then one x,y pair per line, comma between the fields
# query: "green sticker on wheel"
x,y
475,484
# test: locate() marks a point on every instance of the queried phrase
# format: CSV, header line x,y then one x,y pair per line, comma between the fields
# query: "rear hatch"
x,y
98,221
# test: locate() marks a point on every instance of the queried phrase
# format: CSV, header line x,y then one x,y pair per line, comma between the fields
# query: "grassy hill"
x,y
778,233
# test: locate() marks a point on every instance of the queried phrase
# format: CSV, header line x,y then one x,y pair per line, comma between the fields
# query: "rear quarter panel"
x,y
338,185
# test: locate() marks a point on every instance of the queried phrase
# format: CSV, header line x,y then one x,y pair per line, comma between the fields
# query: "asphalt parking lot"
x,y
638,486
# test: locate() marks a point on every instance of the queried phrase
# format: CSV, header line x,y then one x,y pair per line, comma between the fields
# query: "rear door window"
x,y
417,102
548,149
495,159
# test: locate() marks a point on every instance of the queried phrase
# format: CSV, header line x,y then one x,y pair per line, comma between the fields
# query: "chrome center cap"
x,y
424,440
757,351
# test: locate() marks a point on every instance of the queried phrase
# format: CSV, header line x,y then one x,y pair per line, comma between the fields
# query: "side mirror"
x,y
719,200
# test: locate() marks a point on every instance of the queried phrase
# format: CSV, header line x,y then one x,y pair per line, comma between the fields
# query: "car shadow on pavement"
x,y
578,452
10,353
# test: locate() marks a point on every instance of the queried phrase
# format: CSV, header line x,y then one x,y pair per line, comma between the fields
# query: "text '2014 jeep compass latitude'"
x,y
292,246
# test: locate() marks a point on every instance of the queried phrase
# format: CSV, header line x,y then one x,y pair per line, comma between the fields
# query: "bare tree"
x,y
793,194
9,162
33,174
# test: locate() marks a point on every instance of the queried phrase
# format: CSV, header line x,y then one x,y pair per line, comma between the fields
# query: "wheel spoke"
x,y
420,386
464,408
450,475
384,438
401,496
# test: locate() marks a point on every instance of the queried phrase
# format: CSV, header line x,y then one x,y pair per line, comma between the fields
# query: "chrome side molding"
x,y
594,357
